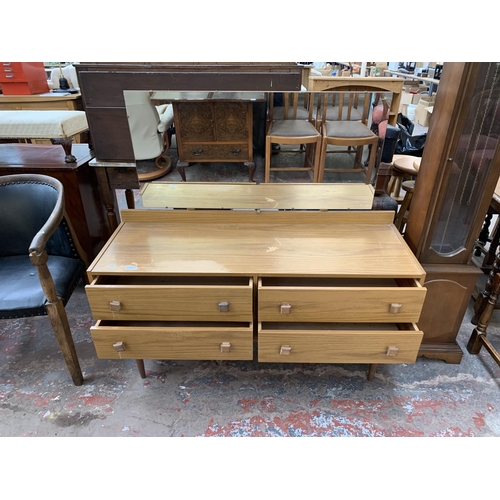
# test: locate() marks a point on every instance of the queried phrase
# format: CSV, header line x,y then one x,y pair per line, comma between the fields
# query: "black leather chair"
x,y
35,235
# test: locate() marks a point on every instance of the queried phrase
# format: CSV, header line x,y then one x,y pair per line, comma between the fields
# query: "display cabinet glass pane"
x,y
471,163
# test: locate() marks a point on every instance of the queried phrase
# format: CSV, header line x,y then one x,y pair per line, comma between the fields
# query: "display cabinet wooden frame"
x,y
458,173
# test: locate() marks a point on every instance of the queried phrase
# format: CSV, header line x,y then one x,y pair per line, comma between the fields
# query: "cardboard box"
x,y
424,110
408,98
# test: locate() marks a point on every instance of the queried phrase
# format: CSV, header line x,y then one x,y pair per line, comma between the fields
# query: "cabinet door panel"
x,y
194,121
232,122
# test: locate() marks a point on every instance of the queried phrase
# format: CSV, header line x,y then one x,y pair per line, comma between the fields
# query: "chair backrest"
x,y
143,120
293,106
344,106
27,203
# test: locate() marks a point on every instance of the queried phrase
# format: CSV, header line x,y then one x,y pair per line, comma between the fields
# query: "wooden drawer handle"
x,y
285,308
235,152
223,307
197,152
225,347
395,308
392,351
115,306
119,346
285,350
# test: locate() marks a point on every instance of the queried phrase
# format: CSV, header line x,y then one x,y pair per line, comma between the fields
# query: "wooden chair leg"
x,y
317,159
267,161
401,215
483,296
322,160
60,325
478,337
371,163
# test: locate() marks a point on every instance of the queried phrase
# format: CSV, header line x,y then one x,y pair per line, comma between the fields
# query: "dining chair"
x,y
41,260
345,127
288,128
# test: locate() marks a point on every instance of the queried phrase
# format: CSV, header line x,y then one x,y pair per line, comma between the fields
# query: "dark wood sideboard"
x,y
84,196
102,85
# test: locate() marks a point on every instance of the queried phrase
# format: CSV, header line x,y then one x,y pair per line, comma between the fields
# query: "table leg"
x,y
181,165
107,196
251,170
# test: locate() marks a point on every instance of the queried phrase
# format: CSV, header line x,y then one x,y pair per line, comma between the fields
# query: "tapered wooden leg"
x,y
60,325
267,161
317,160
181,165
478,337
251,170
140,367
372,368
483,296
322,160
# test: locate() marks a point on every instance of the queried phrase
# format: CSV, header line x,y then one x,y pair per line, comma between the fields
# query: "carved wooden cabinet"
x,y
308,287
456,181
212,126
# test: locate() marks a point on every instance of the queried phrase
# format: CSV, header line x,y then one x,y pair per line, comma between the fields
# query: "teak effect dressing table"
x,y
306,286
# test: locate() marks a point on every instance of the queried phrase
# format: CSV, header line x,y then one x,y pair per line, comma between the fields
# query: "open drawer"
x,y
170,298
338,343
337,300
168,340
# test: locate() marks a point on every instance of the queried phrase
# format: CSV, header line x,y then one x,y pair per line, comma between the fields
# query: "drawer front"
x,y
171,303
214,152
12,72
348,346
379,305
185,342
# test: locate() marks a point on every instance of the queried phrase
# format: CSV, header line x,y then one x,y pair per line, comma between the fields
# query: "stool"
x,y
58,126
403,167
403,212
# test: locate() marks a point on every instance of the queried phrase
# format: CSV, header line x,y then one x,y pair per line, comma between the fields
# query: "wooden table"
x,y
433,82
367,85
71,102
84,202
345,196
310,287
212,126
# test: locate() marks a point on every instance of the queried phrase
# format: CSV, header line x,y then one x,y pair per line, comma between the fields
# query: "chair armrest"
x,y
39,241
166,114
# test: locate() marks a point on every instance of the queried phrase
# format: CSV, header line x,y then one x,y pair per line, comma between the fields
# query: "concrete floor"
x,y
206,398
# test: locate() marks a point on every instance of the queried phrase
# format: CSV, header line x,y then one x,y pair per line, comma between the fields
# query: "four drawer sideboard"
x,y
307,287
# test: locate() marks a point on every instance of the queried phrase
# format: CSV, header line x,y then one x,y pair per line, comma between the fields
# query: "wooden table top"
x,y
43,156
165,96
232,243
38,98
290,196
412,77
